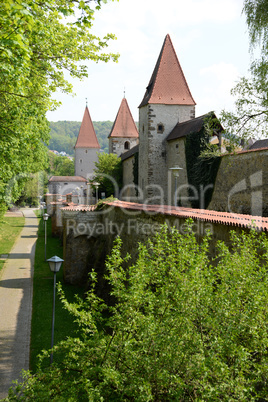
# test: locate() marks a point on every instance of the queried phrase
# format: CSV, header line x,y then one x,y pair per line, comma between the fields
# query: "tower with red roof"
x,y
166,102
124,134
86,148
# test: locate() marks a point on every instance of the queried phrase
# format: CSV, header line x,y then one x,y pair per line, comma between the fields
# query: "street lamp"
x,y
41,209
78,191
175,171
82,194
88,192
54,265
97,186
45,218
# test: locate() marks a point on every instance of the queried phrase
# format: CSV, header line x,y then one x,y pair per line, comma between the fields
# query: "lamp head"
x,y
176,170
45,217
55,263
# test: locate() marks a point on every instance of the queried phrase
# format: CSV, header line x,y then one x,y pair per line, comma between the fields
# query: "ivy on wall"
x,y
136,170
202,168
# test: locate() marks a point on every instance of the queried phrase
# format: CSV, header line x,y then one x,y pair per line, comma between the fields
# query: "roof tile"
x,y
87,137
168,84
67,179
124,125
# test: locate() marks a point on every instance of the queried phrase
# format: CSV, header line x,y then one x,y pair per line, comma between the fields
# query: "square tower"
x,y
166,102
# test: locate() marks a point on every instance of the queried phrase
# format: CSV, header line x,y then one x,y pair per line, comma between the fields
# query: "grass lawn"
x,y
10,228
43,299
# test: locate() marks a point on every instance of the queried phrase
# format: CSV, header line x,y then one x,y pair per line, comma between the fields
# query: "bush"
x,y
182,327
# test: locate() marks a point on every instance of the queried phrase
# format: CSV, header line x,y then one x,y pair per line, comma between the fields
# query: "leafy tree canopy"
x,y
39,41
60,165
180,329
108,173
250,118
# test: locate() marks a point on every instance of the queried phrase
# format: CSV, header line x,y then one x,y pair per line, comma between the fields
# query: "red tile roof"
x,y
87,137
124,125
82,208
66,179
223,218
168,84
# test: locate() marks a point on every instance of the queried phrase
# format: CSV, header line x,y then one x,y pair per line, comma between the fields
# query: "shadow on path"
x,y
16,286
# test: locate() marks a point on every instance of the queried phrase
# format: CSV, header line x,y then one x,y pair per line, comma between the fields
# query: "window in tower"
x,y
160,128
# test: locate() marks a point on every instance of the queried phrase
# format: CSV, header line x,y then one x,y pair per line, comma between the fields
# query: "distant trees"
x,y
181,328
63,135
37,45
60,165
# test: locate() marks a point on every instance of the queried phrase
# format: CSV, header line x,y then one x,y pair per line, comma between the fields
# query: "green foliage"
x,y
250,118
38,44
179,330
64,134
136,170
33,187
108,173
202,163
42,300
102,129
10,228
60,165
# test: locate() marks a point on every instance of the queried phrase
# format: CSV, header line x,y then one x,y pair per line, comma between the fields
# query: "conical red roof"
x,y
87,137
168,85
124,125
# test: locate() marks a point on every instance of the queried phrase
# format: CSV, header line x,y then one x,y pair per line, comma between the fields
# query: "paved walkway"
x,y
16,280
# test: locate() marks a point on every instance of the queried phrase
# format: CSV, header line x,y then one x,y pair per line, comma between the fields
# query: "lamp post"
x,y
97,186
54,265
175,171
88,192
45,218
77,190
82,194
43,209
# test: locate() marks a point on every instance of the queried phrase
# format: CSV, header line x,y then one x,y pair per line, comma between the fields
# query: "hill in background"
x,y
64,135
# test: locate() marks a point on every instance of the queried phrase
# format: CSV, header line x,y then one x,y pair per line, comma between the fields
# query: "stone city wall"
x,y
242,183
88,236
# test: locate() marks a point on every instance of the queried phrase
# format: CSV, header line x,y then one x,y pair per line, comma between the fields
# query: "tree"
x,y
60,165
108,173
181,328
39,42
250,118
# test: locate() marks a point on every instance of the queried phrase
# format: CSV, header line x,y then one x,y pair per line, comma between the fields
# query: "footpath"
x,y
16,288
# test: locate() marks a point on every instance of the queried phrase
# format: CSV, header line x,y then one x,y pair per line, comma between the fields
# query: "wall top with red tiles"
x,y
224,218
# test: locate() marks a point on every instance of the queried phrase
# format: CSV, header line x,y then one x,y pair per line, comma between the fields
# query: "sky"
x,y
209,36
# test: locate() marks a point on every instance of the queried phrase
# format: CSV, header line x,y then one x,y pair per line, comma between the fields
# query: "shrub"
x,y
182,327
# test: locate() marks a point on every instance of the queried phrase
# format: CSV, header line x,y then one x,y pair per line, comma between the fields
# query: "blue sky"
x,y
209,36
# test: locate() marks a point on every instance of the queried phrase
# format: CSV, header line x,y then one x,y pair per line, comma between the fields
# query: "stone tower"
x,y
124,134
166,102
86,148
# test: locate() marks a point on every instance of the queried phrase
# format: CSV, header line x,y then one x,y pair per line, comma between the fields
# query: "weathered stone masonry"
x,y
88,235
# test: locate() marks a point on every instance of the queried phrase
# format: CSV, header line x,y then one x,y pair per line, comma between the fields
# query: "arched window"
x,y
126,145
